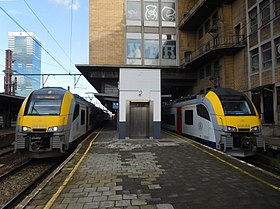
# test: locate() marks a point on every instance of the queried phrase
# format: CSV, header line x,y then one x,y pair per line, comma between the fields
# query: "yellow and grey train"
x,y
224,119
52,121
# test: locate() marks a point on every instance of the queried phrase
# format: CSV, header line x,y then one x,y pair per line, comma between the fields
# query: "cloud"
x,y
68,3
17,12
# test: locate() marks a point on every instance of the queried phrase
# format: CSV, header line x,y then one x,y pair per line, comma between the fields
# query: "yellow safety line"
x,y
64,184
228,163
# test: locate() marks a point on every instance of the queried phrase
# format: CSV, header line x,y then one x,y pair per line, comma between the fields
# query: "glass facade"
x,y
26,60
151,32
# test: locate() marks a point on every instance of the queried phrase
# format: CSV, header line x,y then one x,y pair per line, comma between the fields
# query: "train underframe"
x,y
42,145
241,144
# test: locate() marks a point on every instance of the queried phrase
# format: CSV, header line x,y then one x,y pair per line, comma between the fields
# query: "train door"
x,y
179,120
203,123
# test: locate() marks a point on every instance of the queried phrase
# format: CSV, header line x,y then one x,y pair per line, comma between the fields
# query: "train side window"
x,y
83,116
169,119
202,112
189,117
90,119
76,112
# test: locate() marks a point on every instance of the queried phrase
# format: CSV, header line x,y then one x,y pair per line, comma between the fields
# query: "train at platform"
x,y
223,118
52,121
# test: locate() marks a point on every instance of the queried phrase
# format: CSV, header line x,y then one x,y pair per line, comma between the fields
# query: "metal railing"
x,y
214,44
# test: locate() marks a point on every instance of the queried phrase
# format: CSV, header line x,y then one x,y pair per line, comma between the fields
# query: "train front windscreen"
x,y
237,105
44,105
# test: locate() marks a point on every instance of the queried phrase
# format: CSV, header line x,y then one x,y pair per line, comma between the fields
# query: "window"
x,y
169,119
265,11
238,36
189,117
151,33
253,20
188,56
151,13
133,48
276,7
266,55
200,33
217,68
133,13
151,49
76,112
277,50
236,105
208,70
202,112
215,19
207,26
255,60
83,117
168,14
168,46
201,73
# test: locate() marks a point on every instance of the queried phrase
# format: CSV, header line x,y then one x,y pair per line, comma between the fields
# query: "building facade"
x,y
222,43
263,48
26,49
235,43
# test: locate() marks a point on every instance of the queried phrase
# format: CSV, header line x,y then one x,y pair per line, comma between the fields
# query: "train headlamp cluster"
x,y
255,129
231,129
53,129
26,129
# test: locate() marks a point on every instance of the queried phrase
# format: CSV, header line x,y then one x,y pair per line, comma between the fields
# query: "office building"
x,y
26,49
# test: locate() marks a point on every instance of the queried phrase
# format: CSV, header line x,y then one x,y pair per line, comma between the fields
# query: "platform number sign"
x,y
115,105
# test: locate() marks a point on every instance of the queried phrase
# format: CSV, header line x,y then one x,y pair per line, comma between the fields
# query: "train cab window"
x,y
43,105
189,117
202,112
83,116
237,106
76,112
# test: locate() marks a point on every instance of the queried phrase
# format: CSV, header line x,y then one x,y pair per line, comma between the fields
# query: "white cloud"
x,y
17,12
68,3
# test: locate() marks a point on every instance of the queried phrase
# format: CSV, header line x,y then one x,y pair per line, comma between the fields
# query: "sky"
x,y
54,31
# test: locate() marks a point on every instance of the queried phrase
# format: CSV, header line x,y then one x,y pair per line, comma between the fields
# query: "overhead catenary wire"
x,y
69,57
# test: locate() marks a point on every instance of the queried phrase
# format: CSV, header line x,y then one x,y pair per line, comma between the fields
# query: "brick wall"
x,y
255,81
276,28
266,77
106,33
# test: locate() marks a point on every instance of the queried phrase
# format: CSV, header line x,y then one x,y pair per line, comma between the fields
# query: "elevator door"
x,y
139,120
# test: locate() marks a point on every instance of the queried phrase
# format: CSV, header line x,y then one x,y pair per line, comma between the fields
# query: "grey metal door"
x,y
139,120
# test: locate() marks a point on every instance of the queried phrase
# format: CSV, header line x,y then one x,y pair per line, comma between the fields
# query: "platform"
x,y
170,173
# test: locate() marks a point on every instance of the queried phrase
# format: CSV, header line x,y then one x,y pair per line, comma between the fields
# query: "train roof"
x,y
198,97
48,90
227,92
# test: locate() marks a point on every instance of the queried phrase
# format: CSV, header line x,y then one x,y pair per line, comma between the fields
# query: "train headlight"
x,y
231,129
255,129
53,129
26,129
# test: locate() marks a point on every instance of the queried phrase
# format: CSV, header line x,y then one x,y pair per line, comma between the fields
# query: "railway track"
x,y
18,182
258,162
6,150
